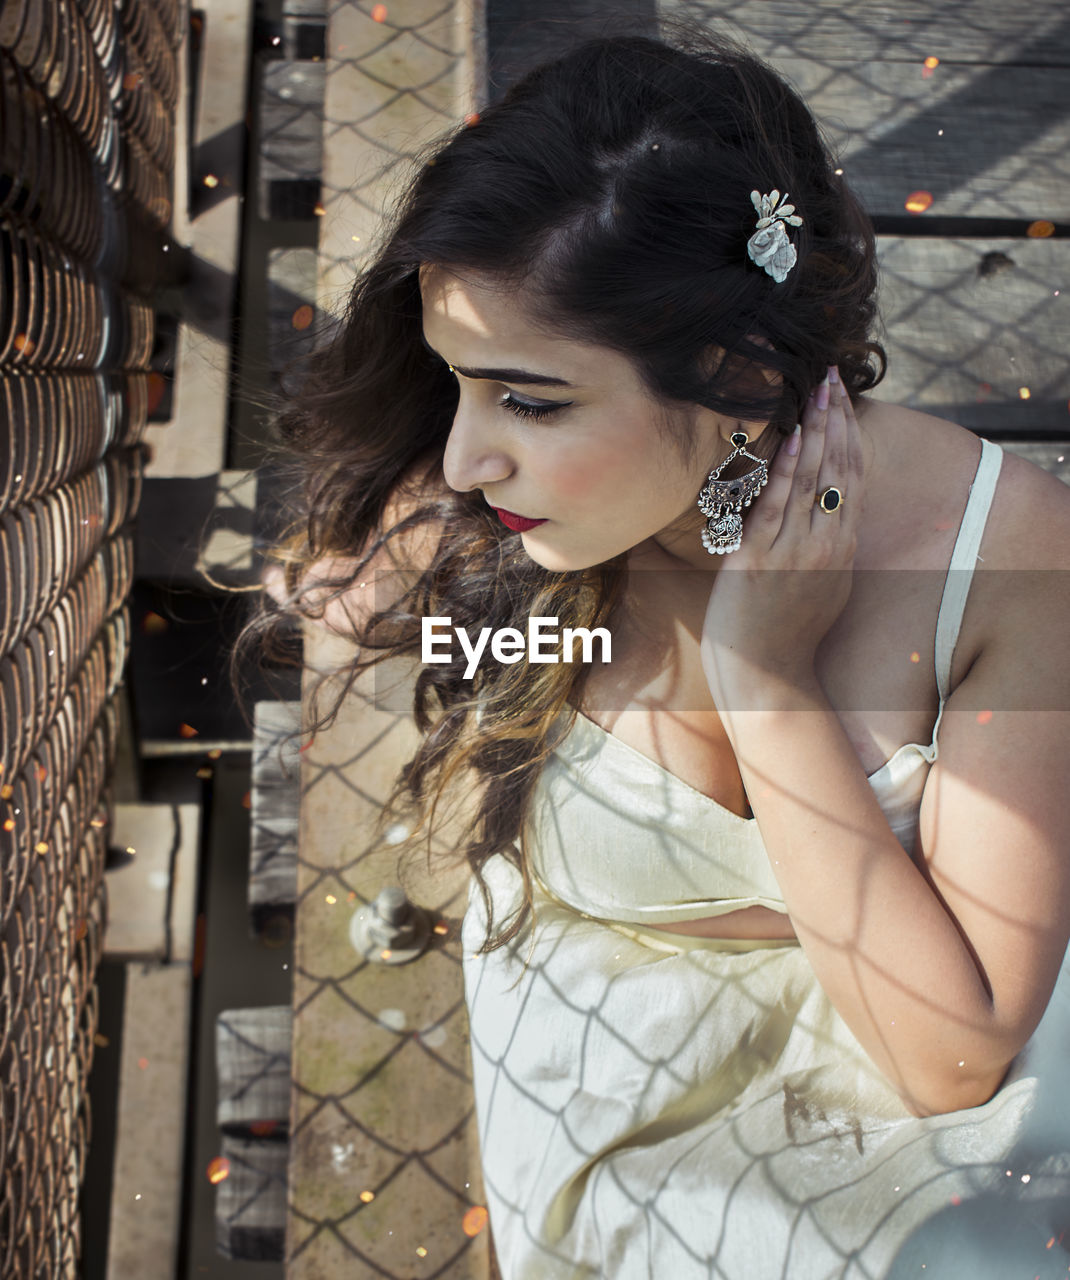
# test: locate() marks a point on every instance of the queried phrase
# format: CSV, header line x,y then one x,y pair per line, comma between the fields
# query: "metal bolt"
x,y
390,930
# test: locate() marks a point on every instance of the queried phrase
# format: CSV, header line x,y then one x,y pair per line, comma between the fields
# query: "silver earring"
x,y
723,500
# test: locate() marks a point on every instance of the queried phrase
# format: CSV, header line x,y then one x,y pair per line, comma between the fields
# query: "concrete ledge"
x,y
152,897
146,1199
193,443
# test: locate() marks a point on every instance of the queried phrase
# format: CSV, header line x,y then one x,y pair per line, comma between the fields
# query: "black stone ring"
x,y
829,499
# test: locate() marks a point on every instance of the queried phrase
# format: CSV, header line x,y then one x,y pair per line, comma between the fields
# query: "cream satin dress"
x,y
658,1106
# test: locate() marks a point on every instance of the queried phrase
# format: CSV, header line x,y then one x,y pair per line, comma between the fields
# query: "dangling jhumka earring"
x,y
723,500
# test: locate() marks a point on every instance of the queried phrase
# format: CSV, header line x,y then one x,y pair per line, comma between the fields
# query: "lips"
x,y
519,524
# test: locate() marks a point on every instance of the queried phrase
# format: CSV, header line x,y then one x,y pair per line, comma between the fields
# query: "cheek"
x,y
628,460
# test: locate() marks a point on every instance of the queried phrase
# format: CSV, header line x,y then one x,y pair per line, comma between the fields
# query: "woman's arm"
x,y
941,966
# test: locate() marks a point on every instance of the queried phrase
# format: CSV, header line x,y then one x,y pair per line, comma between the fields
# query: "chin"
x,y
555,562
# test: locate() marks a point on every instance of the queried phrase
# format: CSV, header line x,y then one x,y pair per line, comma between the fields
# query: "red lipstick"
x,y
519,524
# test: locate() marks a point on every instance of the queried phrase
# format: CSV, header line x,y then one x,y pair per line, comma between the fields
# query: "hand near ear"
x,y
776,598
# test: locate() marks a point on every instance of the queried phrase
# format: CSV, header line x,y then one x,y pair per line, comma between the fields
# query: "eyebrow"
x,y
521,376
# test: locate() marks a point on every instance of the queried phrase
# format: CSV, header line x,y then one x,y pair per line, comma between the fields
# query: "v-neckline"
x,y
716,804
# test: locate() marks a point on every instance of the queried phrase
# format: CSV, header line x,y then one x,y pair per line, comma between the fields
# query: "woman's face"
x,y
564,431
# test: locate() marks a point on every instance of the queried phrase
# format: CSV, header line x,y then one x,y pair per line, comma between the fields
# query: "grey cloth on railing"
x,y
274,809
253,1067
250,1211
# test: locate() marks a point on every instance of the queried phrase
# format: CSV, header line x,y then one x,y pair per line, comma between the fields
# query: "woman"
x,y
778,990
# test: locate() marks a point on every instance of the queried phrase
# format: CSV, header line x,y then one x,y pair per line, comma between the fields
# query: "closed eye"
x,y
534,409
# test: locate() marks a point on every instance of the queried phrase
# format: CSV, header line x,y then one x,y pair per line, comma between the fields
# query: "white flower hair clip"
x,y
770,247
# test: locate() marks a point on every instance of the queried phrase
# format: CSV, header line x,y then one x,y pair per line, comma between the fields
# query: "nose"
x,y
474,455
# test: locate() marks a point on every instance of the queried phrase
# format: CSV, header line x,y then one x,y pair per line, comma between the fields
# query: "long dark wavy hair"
x,y
614,184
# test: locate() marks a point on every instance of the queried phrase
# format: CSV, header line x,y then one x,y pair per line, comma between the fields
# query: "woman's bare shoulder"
x,y
928,467
1030,518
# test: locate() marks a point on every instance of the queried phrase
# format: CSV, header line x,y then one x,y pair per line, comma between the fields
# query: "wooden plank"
x,y
986,350
383,1142
986,131
384,1155
983,31
984,142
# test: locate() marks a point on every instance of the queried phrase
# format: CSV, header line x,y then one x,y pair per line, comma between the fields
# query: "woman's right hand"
x,y
341,615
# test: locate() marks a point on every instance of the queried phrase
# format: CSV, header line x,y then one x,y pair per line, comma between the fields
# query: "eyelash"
x,y
522,409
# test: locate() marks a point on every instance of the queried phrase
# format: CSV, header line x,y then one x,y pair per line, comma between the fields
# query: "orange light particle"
x,y
915,656
1023,393
1040,229
218,1170
956,1199
367,1196
983,717
474,1220
42,773
918,201
210,180
40,847
932,62
203,772
263,1128
215,753
9,824
302,317
378,13
132,80
24,343
247,800
187,730
152,624
442,929
471,118
6,791
142,1063
318,209
81,929
421,1252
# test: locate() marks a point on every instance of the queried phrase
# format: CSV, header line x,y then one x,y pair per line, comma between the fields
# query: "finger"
x,y
769,507
804,481
273,580
834,469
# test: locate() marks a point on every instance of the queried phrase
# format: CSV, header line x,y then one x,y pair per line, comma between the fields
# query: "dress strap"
x,y
963,562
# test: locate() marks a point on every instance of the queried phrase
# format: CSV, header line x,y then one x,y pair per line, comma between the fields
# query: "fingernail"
x,y
834,373
792,444
822,400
